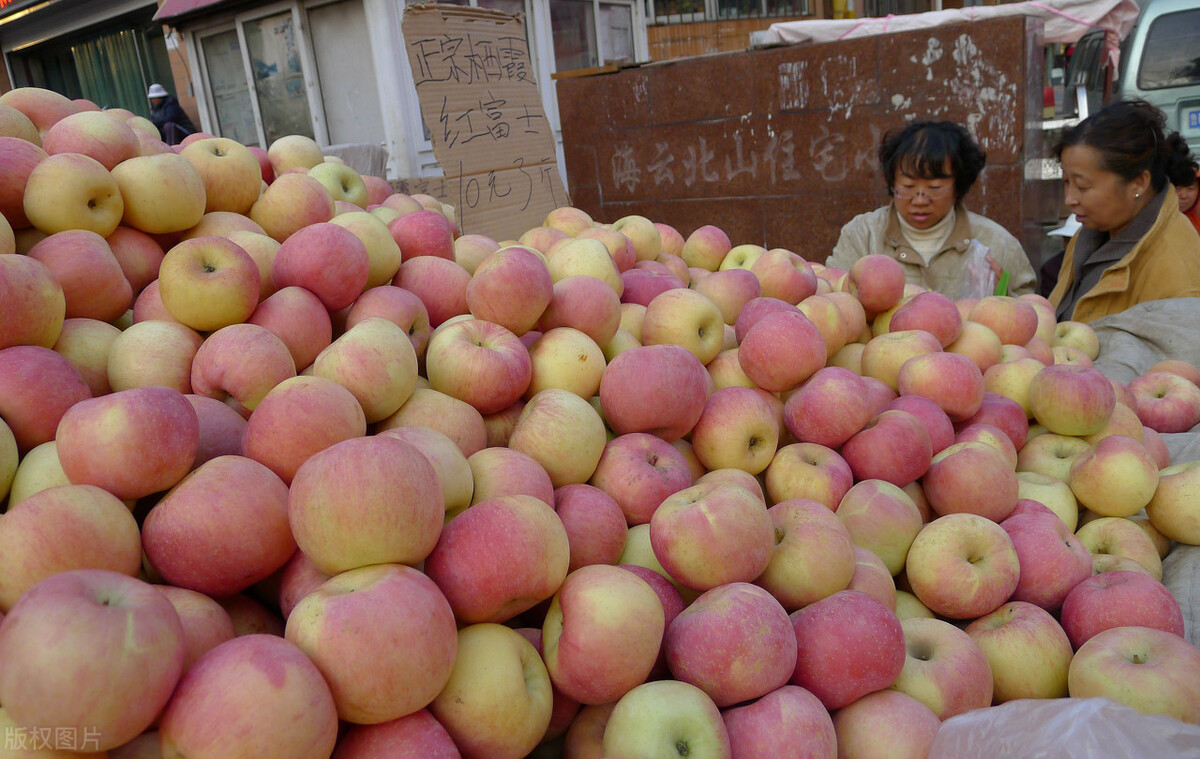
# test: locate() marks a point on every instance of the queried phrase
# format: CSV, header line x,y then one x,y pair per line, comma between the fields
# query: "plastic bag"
x,y
1065,728
978,278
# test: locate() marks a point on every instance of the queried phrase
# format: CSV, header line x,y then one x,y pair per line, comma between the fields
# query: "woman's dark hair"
x,y
1130,136
1182,172
932,150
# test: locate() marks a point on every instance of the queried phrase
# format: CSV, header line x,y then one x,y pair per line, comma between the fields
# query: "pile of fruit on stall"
x,y
293,469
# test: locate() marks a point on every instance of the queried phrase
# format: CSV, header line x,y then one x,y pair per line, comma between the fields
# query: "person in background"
x,y
1186,179
166,113
1134,245
929,167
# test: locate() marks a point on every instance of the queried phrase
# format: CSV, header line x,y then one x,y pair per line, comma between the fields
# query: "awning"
x,y
173,10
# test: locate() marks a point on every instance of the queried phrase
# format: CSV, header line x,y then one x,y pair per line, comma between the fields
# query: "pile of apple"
x,y
292,469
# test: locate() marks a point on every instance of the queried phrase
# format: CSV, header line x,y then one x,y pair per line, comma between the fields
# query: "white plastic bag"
x,y
1065,728
978,278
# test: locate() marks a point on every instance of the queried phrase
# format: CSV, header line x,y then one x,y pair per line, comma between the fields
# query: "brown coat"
x,y
1165,263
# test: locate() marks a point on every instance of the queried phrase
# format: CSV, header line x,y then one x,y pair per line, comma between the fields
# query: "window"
x,y
590,33
688,11
1171,57
230,92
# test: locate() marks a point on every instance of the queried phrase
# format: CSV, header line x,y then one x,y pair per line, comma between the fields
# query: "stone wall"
x,y
778,146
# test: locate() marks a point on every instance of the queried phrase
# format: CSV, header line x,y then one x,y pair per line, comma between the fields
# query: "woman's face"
x,y
1187,196
923,202
1100,199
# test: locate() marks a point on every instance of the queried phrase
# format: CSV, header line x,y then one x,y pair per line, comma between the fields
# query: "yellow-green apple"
x,y
153,353
117,655
808,470
10,461
587,257
499,558
401,203
1124,421
96,134
781,350
1071,400
1153,671
1027,651
37,388
686,318
567,359
962,566
894,446
871,576
512,288
18,158
568,219
1166,402
1053,560
457,420
908,606
741,256
478,362
299,319
602,614
382,635
342,182
734,642
497,472
221,429
93,284
34,301
14,123
498,700
1119,599
294,151
931,312
944,668
672,240
1173,510
376,362
543,239
813,556
208,283
563,433
1114,478
229,171
298,418
8,240
1012,380
1052,493
139,255
222,529
647,242
640,286
971,478
73,191
586,304
367,500
886,353
471,250
297,579
784,275
660,389
619,246
725,369
1120,537
452,469
221,224
38,470
1051,455
63,528
423,233
143,181
882,518
1013,320
595,525
730,291
1104,562
1078,335
1065,354
266,696
665,716
441,285
239,365
290,203
854,317
706,247
712,534
417,734
397,305
886,723
86,343
205,624
738,429
328,260
849,645
786,721
978,343
829,320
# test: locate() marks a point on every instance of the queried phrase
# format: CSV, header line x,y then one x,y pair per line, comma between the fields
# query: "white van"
x,y
1160,63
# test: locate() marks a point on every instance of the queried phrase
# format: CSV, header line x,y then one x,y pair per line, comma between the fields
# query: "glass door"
x,y
222,54
278,76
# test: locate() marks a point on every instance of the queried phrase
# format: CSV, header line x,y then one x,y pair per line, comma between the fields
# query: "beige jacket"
x,y
879,231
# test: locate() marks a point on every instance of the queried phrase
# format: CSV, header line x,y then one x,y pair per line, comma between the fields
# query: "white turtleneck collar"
x,y
928,242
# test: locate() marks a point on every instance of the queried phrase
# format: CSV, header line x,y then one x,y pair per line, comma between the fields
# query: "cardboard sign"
x,y
480,101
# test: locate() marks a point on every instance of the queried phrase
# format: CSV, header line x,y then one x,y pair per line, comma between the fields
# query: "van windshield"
x,y
1171,57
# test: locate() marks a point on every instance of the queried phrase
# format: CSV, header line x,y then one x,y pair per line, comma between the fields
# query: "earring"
x,y
1137,195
